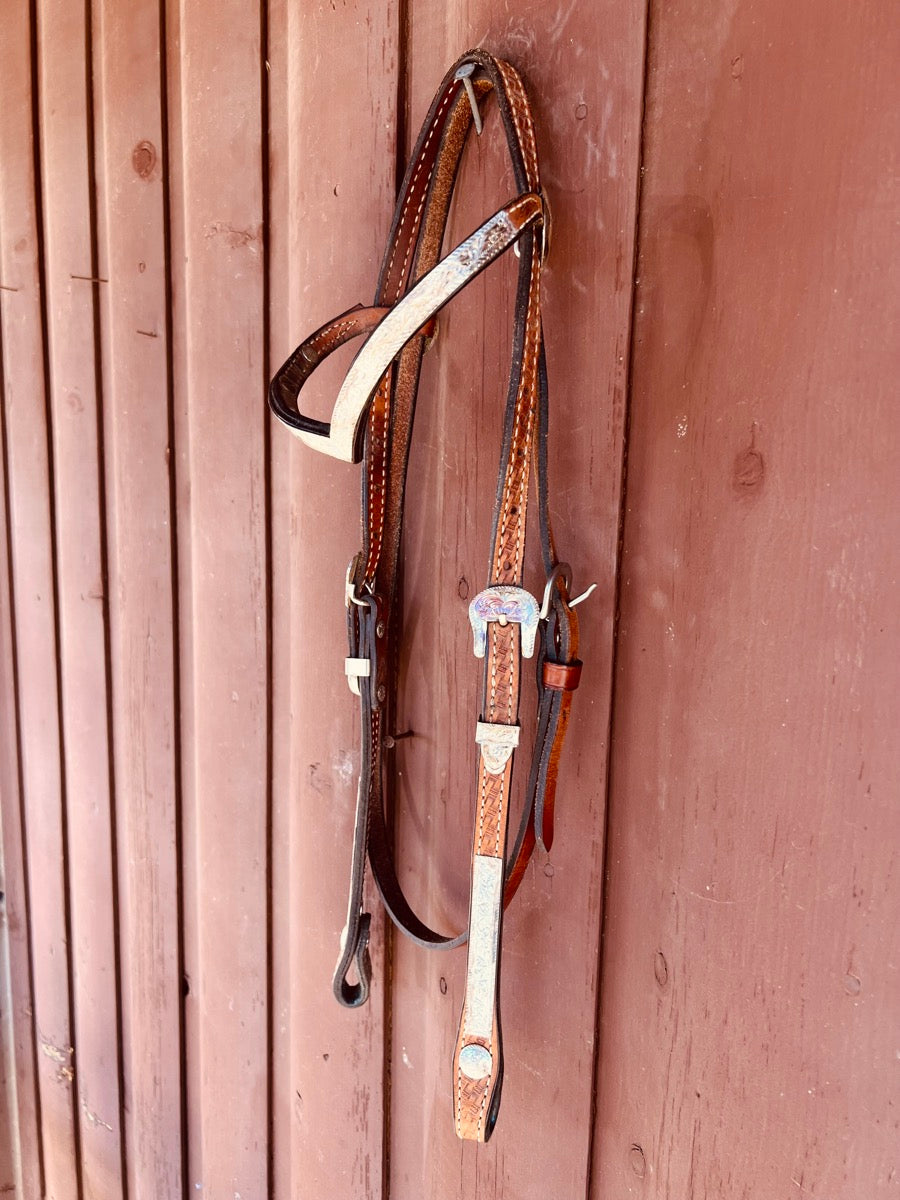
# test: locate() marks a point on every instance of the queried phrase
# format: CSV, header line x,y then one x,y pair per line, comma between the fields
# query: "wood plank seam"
x,y
631,351
268,505
14,842
175,560
95,281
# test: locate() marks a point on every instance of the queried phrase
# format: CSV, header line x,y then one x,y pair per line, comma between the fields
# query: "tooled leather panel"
x,y
501,706
502,668
492,810
521,114
510,539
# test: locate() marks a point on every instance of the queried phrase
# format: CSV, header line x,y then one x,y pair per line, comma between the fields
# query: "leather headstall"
x,y
372,422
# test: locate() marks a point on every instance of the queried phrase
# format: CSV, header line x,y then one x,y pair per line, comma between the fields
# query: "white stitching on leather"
x,y
525,381
331,334
416,221
520,112
487,1088
531,332
412,187
375,548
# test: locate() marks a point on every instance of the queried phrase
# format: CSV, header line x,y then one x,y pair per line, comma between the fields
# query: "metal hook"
x,y
564,570
584,595
464,74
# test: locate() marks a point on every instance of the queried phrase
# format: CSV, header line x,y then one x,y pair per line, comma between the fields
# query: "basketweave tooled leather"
x,y
373,421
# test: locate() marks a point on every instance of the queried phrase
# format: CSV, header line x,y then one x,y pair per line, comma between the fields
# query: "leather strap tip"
x,y
353,995
477,1102
562,677
543,820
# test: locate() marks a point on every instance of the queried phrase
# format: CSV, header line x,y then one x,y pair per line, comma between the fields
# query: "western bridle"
x,y
372,422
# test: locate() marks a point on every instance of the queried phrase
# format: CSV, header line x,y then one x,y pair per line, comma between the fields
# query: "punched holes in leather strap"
x,y
562,677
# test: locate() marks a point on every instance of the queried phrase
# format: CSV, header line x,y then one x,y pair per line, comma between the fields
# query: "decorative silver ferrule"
x,y
497,743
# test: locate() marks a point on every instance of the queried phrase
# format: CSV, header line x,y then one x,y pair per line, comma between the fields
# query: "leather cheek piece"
x,y
562,677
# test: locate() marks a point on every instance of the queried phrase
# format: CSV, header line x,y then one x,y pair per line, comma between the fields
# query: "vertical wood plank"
x,y
214,64
283,1096
19,1147
583,69
131,204
10,1173
47,1126
333,179
65,59
749,987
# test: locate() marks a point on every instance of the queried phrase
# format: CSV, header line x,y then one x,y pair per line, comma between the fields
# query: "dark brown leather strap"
x,y
373,420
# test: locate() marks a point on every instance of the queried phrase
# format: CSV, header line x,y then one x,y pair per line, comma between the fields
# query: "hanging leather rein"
x,y
372,422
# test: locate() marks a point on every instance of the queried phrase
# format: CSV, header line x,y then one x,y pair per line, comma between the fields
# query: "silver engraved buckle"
x,y
504,603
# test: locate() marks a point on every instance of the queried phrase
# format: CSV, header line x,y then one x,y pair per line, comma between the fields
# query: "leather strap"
x,y
372,422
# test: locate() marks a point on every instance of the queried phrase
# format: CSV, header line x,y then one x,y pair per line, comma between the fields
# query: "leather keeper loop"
x,y
562,677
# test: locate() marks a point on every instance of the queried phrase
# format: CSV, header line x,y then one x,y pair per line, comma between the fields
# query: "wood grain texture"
x,y
39,994
333,84
280,345
215,68
584,77
17,1065
130,175
750,963
65,61
215,180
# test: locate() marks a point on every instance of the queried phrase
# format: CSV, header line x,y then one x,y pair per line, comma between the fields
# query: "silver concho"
x,y
475,1061
503,604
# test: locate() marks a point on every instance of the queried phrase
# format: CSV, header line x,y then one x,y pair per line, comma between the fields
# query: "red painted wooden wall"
x,y
700,983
